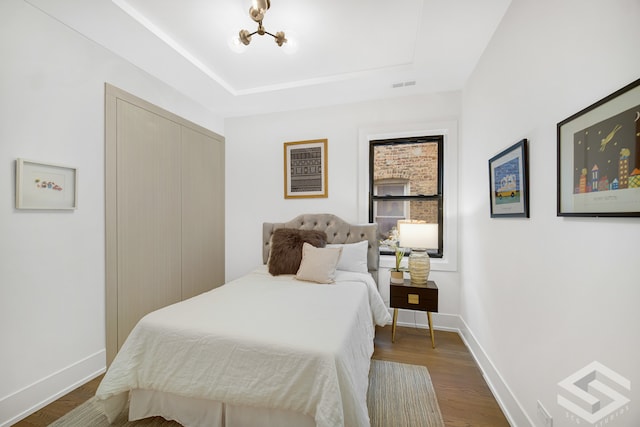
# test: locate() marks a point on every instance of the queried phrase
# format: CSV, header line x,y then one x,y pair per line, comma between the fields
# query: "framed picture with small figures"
x,y
45,186
599,157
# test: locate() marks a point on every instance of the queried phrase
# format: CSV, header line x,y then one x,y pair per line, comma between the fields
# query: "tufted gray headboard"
x,y
338,231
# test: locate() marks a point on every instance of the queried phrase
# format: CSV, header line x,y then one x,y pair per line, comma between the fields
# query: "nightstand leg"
x,y
433,341
393,327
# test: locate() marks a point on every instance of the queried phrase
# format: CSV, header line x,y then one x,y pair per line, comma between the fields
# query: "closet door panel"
x,y
148,214
164,211
202,213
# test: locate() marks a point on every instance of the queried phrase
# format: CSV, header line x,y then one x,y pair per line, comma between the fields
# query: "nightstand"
x,y
413,296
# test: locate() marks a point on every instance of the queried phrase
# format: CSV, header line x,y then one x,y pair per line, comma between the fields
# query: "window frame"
x,y
407,198
446,127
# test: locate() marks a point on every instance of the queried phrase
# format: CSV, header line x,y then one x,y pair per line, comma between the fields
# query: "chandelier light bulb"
x,y
244,37
280,38
256,14
261,5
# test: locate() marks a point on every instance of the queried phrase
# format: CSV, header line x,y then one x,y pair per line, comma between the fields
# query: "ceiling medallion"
x,y
256,12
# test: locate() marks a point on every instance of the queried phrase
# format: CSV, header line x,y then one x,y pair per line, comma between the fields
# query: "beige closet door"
x,y
164,211
149,214
202,203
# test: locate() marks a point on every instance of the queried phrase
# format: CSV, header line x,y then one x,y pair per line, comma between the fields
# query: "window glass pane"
x,y
421,210
394,208
414,163
387,213
424,210
389,189
386,226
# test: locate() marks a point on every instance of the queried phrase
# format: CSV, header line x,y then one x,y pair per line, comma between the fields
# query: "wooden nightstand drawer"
x,y
415,297
412,296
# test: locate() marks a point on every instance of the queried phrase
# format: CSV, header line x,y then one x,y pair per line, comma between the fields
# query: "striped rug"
x,y
399,395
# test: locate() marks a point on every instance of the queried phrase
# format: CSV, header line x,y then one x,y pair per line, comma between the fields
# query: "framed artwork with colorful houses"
x,y
599,157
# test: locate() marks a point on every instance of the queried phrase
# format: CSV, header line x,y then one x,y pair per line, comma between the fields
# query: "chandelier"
x,y
256,12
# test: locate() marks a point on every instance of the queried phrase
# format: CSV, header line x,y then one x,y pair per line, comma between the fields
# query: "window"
x,y
406,183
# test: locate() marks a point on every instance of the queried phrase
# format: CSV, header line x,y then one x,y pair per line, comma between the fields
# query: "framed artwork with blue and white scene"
x,y
509,182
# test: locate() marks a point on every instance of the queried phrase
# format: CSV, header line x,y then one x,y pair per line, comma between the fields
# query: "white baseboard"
x,y
510,406
29,399
418,319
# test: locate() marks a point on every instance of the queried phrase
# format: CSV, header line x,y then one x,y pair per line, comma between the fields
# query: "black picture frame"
x,y
599,158
509,182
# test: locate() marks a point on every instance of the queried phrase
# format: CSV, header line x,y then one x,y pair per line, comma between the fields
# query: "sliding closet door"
x,y
202,203
149,214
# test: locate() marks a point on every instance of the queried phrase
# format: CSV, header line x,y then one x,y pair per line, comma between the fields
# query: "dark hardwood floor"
x,y
463,396
66,403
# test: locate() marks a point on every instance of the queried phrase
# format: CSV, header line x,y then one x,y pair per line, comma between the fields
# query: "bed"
x,y
271,348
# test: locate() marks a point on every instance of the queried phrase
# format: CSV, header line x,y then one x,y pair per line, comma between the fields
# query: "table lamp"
x,y
419,236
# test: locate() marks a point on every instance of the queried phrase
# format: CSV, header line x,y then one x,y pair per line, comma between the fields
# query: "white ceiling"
x,y
344,50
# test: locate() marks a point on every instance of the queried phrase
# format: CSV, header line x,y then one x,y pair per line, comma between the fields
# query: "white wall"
x,y
255,176
545,296
52,263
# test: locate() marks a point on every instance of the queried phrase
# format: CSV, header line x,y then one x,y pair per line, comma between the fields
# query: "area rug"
x,y
399,395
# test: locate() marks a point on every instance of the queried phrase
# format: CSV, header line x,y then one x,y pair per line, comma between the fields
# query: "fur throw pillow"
x,y
286,248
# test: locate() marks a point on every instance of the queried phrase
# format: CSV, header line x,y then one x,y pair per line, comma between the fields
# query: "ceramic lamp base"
x,y
419,266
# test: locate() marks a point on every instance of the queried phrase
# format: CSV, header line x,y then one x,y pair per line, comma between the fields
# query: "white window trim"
x,y
449,129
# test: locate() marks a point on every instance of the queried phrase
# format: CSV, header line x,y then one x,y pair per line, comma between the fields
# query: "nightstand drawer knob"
x,y
414,299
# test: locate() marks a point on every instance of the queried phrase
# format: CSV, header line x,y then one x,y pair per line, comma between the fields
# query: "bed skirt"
x,y
192,412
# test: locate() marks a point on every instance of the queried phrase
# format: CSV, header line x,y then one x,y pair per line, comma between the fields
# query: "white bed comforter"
x,y
264,341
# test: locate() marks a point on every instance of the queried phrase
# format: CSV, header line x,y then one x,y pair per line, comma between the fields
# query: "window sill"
x,y
437,264
389,252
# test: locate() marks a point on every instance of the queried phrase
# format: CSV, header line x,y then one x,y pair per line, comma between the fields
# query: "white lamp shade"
x,y
418,235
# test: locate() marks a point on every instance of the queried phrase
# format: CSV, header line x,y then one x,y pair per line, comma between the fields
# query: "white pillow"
x,y
318,264
354,256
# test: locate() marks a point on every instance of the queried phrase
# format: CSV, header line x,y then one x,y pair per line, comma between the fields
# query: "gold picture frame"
x,y
305,169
